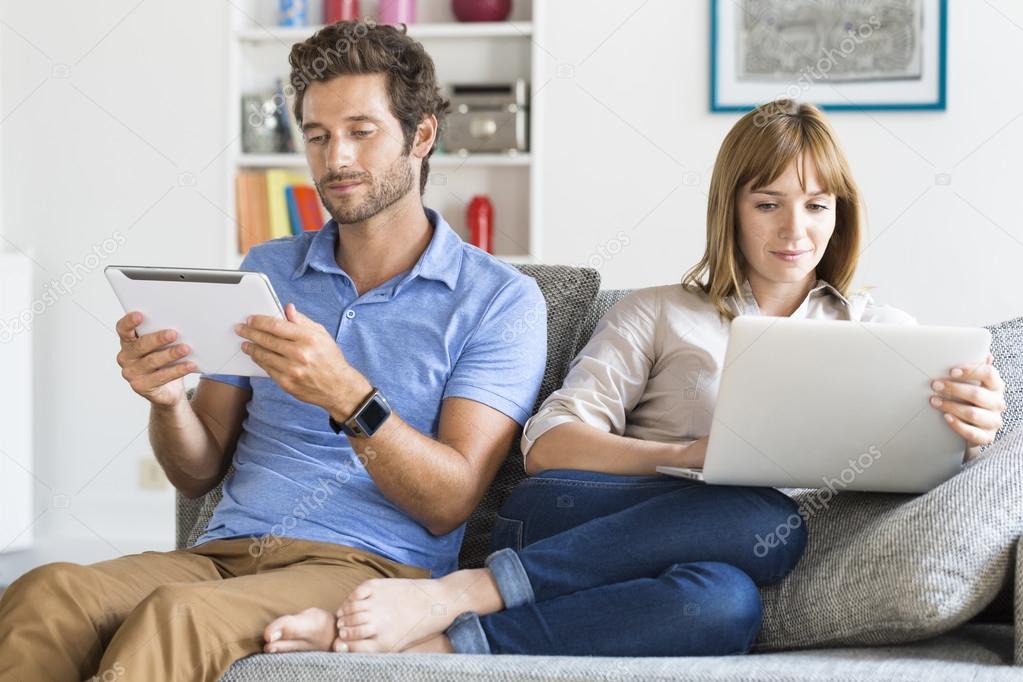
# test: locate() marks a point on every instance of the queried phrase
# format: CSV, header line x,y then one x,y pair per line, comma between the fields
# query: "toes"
x,y
356,633
284,645
284,627
352,607
361,618
362,591
309,626
272,632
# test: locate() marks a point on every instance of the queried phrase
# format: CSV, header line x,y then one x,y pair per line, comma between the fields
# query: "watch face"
x,y
373,414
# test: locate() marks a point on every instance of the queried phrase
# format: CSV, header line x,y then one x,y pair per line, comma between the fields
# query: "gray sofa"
x,y
987,646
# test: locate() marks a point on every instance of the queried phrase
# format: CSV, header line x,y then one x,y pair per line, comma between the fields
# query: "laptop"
x,y
835,404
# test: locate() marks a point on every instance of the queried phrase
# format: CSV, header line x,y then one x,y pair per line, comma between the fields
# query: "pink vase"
x,y
481,10
396,12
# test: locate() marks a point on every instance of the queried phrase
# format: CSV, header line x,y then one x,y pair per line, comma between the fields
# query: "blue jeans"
x,y
596,564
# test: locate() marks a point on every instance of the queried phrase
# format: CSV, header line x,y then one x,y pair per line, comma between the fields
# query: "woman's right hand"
x,y
144,361
693,453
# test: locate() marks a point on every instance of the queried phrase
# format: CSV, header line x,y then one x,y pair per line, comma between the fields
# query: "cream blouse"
x,y
652,368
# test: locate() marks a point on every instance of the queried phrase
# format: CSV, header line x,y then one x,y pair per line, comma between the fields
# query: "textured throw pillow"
x,y
893,568
884,568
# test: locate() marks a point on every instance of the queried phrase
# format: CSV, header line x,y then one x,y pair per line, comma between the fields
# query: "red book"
x,y
309,211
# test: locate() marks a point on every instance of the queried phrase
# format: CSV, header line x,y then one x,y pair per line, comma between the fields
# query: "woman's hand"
x,y
974,412
693,453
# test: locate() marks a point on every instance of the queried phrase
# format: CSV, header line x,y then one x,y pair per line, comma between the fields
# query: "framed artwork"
x,y
838,54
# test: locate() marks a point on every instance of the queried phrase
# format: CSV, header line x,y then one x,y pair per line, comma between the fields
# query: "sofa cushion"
x,y
891,568
972,652
884,568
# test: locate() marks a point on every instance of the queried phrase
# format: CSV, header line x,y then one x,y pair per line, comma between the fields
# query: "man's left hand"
x,y
305,361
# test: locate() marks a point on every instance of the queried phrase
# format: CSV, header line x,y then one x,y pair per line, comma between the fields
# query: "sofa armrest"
x,y
190,513
1018,604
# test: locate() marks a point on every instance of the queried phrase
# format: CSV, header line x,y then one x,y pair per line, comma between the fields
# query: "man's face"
x,y
355,147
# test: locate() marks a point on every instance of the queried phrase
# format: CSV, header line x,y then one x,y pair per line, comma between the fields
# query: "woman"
x,y
597,555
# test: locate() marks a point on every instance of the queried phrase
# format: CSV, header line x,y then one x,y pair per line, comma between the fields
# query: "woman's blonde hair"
x,y
759,148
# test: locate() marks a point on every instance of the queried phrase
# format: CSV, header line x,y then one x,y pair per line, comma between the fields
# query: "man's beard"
x,y
381,193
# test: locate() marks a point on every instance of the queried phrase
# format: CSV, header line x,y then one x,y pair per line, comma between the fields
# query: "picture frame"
x,y
838,54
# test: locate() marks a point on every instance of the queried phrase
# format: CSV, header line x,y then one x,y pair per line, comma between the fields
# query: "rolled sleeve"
x,y
884,313
607,379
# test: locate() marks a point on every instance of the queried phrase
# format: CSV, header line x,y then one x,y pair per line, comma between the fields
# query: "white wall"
x,y
630,144
112,120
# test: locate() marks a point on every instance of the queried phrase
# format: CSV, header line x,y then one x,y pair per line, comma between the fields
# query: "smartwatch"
x,y
367,419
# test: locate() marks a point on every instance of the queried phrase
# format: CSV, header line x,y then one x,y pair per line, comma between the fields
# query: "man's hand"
x,y
146,362
972,411
305,361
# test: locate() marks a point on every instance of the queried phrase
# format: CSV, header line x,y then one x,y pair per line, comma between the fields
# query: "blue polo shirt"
x,y
460,323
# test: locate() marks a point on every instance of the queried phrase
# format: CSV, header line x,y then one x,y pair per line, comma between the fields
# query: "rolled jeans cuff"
x,y
466,635
510,576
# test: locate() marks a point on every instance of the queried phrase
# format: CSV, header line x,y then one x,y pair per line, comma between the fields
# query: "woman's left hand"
x,y
974,412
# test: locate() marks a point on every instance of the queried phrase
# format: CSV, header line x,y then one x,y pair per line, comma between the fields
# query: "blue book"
x,y
293,217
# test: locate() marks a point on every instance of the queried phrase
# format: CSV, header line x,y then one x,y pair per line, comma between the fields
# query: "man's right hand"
x,y
144,362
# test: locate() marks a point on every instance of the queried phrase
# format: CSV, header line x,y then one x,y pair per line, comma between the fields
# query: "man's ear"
x,y
426,135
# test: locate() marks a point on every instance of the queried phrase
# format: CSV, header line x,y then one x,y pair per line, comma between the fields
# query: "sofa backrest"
x,y
574,306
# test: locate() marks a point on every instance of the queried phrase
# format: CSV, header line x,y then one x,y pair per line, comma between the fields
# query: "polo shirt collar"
x,y
441,261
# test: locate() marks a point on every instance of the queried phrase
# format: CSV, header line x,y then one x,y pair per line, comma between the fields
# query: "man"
x,y
394,393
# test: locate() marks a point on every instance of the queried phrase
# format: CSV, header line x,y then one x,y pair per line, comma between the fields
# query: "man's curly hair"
x,y
363,47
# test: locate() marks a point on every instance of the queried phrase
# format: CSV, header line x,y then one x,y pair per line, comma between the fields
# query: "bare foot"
x,y
392,614
438,644
310,630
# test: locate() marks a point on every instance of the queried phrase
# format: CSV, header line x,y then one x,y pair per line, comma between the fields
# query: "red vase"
x,y
479,218
340,10
481,10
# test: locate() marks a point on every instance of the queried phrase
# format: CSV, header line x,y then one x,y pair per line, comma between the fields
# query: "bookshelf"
x,y
464,53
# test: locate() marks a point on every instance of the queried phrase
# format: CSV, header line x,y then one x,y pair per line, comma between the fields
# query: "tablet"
x,y
202,306
806,403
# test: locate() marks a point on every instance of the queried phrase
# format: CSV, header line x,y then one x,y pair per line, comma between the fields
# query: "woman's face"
x,y
780,218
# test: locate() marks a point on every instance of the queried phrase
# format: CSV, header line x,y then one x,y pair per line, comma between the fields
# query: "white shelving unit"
x,y
420,31
436,161
463,53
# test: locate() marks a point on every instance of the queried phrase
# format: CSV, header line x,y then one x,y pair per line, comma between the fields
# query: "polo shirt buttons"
x,y
349,314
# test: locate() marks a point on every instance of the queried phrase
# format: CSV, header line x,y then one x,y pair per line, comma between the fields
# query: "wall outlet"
x,y
151,476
